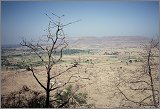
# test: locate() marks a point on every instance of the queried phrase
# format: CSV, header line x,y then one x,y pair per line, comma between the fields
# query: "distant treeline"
x,y
6,63
74,51
13,53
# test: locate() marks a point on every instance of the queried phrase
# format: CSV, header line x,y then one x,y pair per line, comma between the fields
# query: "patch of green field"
x,y
16,60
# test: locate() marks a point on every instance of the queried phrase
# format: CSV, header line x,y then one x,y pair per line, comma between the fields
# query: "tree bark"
x,y
48,89
47,98
151,79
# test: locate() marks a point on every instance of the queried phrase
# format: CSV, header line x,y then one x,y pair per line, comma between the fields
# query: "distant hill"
x,y
10,46
104,42
85,42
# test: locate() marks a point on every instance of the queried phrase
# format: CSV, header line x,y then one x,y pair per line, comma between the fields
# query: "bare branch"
x,y
63,84
56,15
24,43
72,22
145,99
127,97
140,82
40,47
38,80
62,72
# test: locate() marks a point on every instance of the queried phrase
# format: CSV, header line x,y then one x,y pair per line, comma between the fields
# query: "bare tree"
x,y
55,37
150,49
143,82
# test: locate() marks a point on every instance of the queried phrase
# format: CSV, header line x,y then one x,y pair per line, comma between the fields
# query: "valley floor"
x,y
102,71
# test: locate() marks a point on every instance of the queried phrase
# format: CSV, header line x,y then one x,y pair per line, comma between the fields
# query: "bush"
x,y
27,98
24,98
68,98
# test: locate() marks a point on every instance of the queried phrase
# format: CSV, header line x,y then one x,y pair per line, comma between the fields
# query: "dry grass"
x,y
100,88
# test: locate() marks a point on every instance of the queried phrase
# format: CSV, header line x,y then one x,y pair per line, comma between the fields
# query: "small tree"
x,y
143,81
56,38
151,65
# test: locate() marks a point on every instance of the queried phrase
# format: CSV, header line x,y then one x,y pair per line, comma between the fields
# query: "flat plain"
x,y
100,66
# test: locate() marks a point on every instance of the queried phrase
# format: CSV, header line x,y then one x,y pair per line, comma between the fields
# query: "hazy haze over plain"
x,y
27,19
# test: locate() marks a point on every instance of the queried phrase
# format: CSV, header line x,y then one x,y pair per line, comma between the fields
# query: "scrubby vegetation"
x,y
24,98
73,51
27,98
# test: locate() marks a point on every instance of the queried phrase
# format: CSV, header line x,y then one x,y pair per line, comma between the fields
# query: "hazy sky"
x,y
103,18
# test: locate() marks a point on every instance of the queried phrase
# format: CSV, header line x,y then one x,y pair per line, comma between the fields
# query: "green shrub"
x,y
68,98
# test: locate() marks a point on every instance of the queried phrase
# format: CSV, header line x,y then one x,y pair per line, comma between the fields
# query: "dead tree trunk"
x,y
48,88
57,45
150,75
143,81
